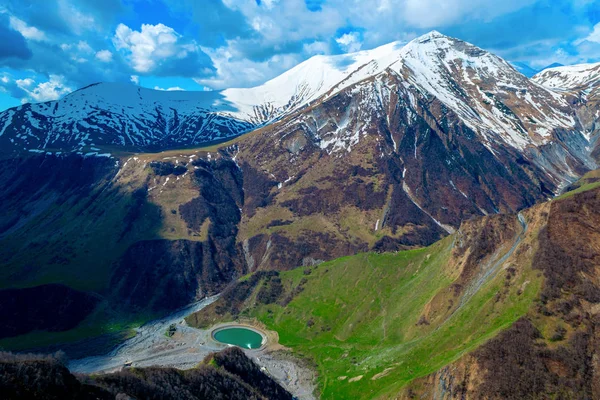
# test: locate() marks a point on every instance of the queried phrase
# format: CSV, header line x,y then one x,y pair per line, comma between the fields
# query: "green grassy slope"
x,y
362,316
589,181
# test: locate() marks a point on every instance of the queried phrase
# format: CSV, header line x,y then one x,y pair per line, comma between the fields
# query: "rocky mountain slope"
x,y
109,115
552,351
386,149
574,77
485,92
505,308
402,157
582,84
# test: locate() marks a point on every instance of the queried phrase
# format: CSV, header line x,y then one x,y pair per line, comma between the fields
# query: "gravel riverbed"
x,y
188,347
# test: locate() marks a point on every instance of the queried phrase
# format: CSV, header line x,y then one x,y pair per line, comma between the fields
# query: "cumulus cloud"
x,y
232,71
159,49
28,89
233,43
593,37
316,47
104,56
53,89
350,42
149,46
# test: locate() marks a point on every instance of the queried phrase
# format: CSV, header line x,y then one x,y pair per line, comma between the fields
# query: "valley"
x,y
394,218
422,321
187,348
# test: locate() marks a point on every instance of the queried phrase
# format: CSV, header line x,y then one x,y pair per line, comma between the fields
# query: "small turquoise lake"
x,y
241,337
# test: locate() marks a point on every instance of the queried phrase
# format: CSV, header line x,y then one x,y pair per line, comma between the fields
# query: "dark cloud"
x,y
61,17
216,22
12,43
194,65
256,51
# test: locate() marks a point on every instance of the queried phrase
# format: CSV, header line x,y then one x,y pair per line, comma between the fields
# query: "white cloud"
x,y
53,89
241,72
24,83
135,79
104,56
171,89
269,4
84,47
349,42
593,37
153,44
77,20
316,47
78,52
29,32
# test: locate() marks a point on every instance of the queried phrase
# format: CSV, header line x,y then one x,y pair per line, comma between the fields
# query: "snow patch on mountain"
x,y
486,92
567,78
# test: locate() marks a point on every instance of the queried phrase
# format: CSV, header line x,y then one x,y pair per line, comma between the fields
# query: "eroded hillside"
x,y
552,351
506,298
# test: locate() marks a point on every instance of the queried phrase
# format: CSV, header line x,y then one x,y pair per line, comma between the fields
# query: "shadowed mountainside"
x,y
228,374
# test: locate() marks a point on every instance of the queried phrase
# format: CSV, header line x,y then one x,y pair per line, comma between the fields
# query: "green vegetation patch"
x,y
360,318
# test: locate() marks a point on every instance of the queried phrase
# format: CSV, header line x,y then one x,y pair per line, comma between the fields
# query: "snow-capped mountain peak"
x,y
485,92
489,95
308,81
570,78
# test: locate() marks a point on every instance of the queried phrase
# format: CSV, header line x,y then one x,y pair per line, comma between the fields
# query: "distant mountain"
x,y
581,83
553,65
525,69
571,77
107,116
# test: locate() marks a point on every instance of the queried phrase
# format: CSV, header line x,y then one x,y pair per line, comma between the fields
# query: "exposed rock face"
x,y
91,223
581,84
553,351
163,275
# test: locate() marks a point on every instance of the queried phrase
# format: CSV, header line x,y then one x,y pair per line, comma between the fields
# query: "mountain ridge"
x,y
405,151
148,120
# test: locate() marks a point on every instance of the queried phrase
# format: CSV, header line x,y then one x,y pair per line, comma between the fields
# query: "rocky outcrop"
x,y
229,374
552,352
163,275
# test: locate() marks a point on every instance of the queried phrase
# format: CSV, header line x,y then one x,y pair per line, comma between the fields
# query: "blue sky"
x,y
51,47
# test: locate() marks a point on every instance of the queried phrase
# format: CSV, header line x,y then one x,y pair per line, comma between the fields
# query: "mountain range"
x,y
120,203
